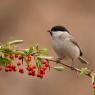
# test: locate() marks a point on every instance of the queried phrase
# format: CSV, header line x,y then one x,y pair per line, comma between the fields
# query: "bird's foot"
x,y
72,67
58,60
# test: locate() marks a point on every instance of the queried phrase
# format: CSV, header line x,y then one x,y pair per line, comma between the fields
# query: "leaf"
x,y
43,51
15,42
6,51
1,54
38,63
4,61
93,78
45,57
19,52
58,68
34,48
24,52
29,51
83,71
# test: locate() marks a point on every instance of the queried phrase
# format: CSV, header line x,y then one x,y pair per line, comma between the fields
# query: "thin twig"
x,y
89,73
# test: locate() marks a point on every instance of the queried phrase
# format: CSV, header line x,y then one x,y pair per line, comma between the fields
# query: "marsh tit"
x,y
65,45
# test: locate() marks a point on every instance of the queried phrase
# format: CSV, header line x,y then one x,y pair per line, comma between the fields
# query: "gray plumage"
x,y
65,45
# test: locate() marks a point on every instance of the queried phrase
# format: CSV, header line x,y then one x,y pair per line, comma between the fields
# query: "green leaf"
x,y
4,61
15,42
19,52
83,71
34,48
59,68
93,78
6,51
44,57
43,51
29,51
38,63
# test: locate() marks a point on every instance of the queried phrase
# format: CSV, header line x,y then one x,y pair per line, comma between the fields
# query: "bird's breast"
x,y
65,48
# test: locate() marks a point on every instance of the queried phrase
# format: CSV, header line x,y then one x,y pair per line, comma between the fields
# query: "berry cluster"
x,y
10,67
31,69
42,70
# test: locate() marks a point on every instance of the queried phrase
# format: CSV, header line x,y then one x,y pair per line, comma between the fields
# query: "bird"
x,y
65,45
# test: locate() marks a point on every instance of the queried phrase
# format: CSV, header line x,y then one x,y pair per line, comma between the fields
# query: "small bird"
x,y
65,45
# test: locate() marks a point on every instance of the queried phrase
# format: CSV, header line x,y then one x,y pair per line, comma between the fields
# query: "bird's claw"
x,y
58,60
72,67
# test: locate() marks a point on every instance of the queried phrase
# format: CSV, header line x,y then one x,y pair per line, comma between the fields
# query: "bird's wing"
x,y
74,42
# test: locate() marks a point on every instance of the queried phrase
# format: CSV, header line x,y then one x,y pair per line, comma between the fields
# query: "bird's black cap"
x,y
58,28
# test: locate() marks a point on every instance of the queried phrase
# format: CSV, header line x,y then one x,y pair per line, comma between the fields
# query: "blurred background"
x,y
29,20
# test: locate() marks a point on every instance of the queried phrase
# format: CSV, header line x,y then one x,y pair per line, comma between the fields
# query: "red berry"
x,y
44,62
31,73
33,67
20,57
18,63
12,57
10,69
44,68
16,55
21,70
42,71
29,68
28,58
9,66
93,85
6,69
40,75
33,70
46,65
0,68
13,67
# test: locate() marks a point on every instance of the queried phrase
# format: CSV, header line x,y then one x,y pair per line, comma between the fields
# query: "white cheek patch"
x,y
55,34
60,33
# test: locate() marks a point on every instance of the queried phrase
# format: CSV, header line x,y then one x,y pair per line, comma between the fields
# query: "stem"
x,y
89,73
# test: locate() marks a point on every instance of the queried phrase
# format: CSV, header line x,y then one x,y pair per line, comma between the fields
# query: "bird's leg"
x,y
58,60
72,65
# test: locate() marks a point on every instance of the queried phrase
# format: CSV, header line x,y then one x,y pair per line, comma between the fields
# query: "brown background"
x,y
29,20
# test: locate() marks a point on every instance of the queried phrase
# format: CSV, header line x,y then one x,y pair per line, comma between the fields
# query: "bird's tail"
x,y
82,60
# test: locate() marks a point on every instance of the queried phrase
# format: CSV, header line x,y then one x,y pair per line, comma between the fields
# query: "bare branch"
x,y
89,72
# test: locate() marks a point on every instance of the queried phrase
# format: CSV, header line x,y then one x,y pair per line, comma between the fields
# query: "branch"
x,y
35,59
89,73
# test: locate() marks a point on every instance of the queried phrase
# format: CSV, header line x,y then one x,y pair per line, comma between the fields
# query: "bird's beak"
x,y
49,31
